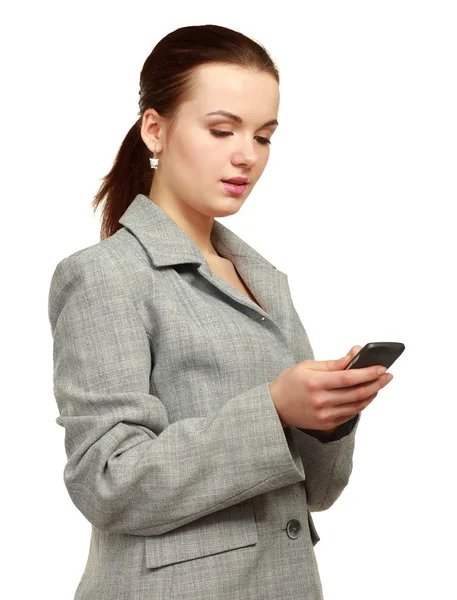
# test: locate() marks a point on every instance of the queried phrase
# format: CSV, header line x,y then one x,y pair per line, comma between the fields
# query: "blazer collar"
x,y
167,244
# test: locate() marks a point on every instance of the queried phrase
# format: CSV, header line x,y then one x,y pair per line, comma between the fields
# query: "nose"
x,y
248,156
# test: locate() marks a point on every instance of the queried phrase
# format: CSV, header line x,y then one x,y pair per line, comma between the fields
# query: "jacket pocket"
x,y
312,529
227,529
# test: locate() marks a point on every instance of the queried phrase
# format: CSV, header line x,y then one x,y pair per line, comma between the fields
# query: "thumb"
x,y
327,365
334,365
347,359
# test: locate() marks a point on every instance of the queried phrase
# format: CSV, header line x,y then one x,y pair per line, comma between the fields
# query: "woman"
x,y
200,432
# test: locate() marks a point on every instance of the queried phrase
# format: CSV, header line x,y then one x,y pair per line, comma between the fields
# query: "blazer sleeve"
x,y
128,469
328,464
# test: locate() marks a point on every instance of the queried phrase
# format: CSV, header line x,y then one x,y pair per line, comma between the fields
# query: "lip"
x,y
232,188
236,179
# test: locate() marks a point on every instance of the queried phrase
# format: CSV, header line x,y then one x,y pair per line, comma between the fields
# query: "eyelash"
x,y
217,133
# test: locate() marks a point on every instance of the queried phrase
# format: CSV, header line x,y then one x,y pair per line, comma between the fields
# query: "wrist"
x,y
277,403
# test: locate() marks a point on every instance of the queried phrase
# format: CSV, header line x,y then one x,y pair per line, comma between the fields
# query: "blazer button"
x,y
293,529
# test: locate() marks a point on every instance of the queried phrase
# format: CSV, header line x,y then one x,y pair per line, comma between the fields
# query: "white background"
x,y
356,205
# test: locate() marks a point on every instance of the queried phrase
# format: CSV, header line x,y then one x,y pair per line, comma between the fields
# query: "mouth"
x,y
234,187
236,181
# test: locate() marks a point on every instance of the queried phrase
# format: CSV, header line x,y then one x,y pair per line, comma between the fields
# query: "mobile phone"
x,y
377,353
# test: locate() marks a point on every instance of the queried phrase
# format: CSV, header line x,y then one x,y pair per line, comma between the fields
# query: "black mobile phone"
x,y
377,353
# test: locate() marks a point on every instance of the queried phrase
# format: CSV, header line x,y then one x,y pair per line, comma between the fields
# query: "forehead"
x,y
249,94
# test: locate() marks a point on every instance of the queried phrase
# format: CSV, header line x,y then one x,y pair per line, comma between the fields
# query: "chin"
x,y
230,207
225,213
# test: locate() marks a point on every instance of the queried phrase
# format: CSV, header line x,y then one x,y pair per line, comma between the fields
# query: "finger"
x,y
348,378
326,365
357,394
349,356
352,352
355,350
350,408
334,365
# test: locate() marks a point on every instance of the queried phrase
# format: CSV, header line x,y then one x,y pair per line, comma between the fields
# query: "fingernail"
x,y
381,370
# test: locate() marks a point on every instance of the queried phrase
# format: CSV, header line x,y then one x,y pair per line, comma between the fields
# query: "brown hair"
x,y
167,80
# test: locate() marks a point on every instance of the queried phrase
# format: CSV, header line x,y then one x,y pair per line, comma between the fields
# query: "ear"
x,y
152,130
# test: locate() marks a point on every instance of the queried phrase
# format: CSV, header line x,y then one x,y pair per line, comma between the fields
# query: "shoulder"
x,y
112,266
114,254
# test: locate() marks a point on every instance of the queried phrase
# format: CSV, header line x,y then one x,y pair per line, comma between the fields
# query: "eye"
x,y
217,133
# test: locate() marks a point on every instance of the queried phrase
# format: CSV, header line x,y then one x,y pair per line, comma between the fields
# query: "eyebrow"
x,y
238,119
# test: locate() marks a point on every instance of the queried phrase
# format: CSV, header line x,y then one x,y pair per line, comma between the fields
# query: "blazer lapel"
x,y
168,245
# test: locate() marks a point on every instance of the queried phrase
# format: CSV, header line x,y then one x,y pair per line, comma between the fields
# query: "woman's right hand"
x,y
322,394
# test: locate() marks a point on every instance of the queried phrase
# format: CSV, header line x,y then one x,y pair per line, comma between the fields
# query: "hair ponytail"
x,y
167,80
130,175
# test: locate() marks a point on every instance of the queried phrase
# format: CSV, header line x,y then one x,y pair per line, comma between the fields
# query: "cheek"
x,y
198,150
208,161
203,164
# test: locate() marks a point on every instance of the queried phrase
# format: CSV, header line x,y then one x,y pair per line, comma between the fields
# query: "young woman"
x,y
199,430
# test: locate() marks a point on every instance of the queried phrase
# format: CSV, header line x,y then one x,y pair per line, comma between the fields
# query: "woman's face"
x,y
194,158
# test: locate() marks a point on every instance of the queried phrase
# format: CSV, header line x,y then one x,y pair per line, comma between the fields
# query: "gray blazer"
x,y
175,451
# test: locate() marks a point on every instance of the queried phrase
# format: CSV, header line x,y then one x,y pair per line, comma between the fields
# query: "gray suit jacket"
x,y
175,451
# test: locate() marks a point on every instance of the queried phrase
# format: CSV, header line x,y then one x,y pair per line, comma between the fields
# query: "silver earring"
x,y
154,161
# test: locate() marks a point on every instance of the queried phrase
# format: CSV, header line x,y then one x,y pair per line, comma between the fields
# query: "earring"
x,y
154,161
